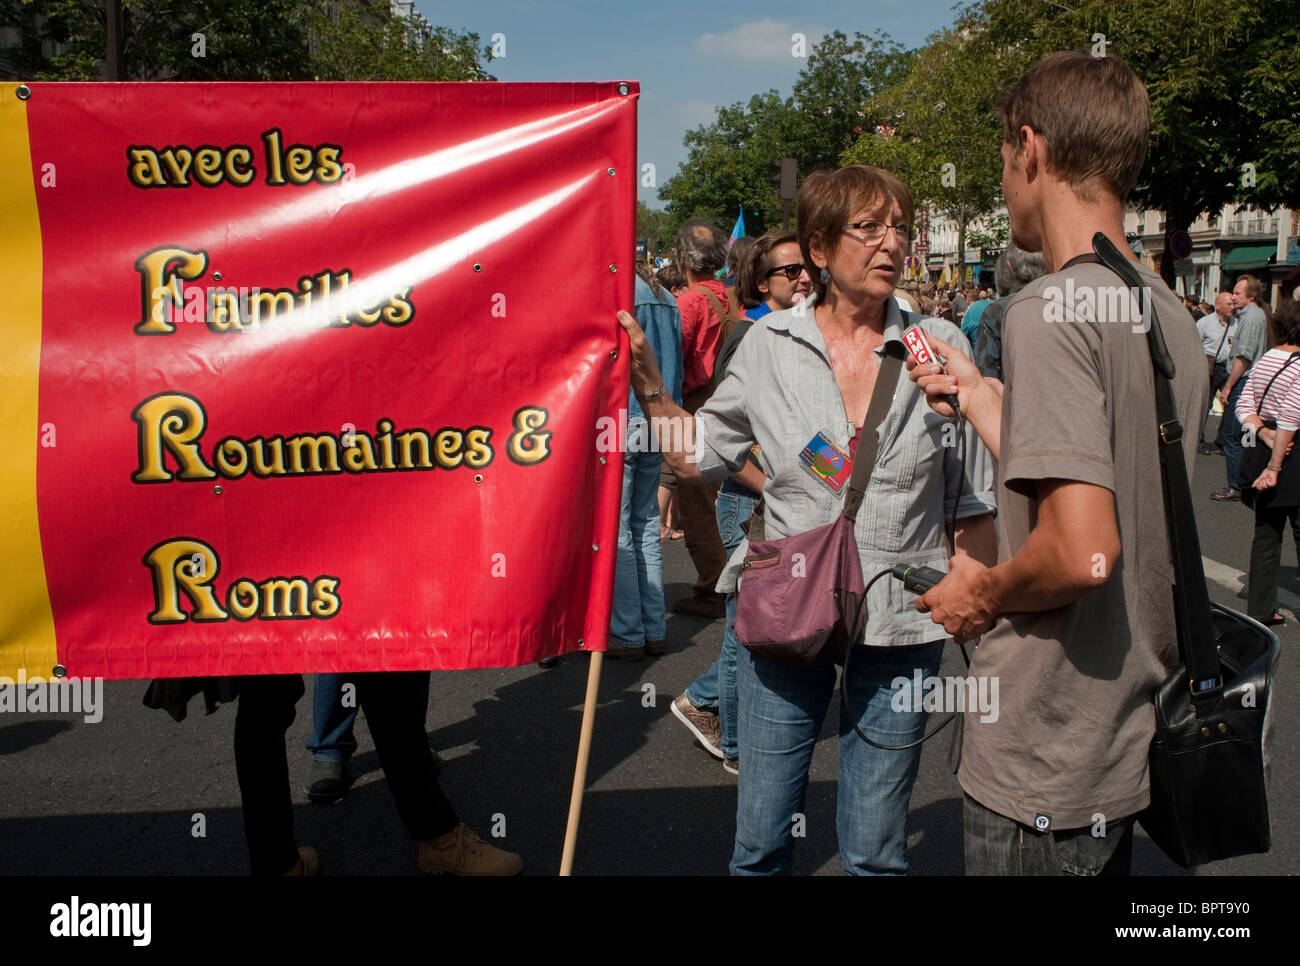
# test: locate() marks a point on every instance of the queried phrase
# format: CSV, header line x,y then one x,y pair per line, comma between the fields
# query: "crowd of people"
x,y
1055,470
767,344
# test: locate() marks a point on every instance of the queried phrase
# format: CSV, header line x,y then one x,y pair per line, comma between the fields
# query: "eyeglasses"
x,y
874,231
791,272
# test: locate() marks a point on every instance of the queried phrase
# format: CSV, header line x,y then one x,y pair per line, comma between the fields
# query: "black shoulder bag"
x,y
1209,758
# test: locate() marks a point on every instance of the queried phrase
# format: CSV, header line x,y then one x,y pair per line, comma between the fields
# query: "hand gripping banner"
x,y
309,377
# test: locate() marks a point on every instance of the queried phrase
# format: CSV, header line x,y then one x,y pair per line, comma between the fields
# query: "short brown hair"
x,y
828,198
1093,114
1286,323
756,267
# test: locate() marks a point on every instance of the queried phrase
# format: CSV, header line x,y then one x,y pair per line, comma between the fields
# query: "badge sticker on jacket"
x,y
827,462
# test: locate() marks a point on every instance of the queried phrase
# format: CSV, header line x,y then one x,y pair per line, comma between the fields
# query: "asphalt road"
x,y
128,794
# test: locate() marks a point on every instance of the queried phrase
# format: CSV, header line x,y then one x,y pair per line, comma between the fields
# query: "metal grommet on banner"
x,y
623,88
611,172
613,353
595,547
23,92
478,267
478,477
581,643
217,490
603,461
216,276
60,671
613,268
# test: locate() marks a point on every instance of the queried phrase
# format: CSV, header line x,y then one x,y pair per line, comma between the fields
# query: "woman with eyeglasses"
x,y
806,374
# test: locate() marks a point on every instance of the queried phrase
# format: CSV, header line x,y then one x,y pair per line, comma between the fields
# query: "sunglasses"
x,y
791,272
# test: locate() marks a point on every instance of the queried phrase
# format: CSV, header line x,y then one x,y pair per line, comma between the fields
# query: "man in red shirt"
x,y
709,311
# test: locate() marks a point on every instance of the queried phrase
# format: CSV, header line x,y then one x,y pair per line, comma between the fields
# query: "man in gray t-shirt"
x,y
1077,615
1247,345
1076,721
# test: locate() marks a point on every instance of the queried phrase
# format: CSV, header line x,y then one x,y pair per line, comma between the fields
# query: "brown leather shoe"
x,y
711,606
620,652
1226,495
308,862
654,648
461,852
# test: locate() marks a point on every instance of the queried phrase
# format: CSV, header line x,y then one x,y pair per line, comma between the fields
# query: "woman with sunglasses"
x,y
804,375
774,276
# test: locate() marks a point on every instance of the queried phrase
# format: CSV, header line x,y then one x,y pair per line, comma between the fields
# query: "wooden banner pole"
x,y
580,770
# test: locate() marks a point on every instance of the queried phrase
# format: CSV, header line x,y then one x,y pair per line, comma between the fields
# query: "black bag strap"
x,y
1195,625
869,442
1222,339
1290,359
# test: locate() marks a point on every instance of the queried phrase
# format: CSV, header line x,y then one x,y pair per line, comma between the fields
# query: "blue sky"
x,y
689,56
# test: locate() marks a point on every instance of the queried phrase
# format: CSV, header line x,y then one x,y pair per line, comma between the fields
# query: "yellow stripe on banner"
x,y
26,622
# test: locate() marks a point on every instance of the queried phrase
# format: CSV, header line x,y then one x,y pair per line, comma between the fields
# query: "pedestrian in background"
x,y
1248,344
636,621
1269,406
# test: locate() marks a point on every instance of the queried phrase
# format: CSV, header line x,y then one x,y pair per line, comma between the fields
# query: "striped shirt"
x,y
1283,400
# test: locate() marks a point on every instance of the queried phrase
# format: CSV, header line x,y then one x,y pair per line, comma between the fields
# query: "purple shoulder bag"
x,y
801,598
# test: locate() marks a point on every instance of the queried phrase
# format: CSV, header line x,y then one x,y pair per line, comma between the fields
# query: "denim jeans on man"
x,y
1232,432
637,614
716,687
782,708
331,737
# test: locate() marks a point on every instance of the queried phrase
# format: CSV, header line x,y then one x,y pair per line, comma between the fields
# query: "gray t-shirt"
x,y
1212,330
1075,684
1249,340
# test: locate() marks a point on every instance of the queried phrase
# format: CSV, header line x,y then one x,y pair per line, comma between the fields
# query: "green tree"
x,y
735,160
655,227
238,40
939,129
355,44
1224,83
1223,79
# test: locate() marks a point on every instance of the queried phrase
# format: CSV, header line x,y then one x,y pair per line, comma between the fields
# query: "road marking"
x,y
1234,579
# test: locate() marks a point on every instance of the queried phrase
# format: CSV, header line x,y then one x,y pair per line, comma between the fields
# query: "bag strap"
x,y
1222,339
1290,359
730,318
869,442
1195,625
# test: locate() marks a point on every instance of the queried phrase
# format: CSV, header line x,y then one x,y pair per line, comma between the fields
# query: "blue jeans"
x,y
331,737
637,614
782,708
716,687
1232,432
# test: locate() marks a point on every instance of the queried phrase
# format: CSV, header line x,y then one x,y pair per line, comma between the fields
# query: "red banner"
x,y
314,374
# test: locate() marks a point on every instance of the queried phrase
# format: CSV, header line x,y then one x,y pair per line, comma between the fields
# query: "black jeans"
x,y
1217,379
1266,557
997,845
394,704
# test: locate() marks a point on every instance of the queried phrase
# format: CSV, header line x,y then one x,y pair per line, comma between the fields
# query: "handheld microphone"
x,y
918,346
917,579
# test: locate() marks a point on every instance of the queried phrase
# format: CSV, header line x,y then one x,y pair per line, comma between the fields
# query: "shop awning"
x,y
1248,256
